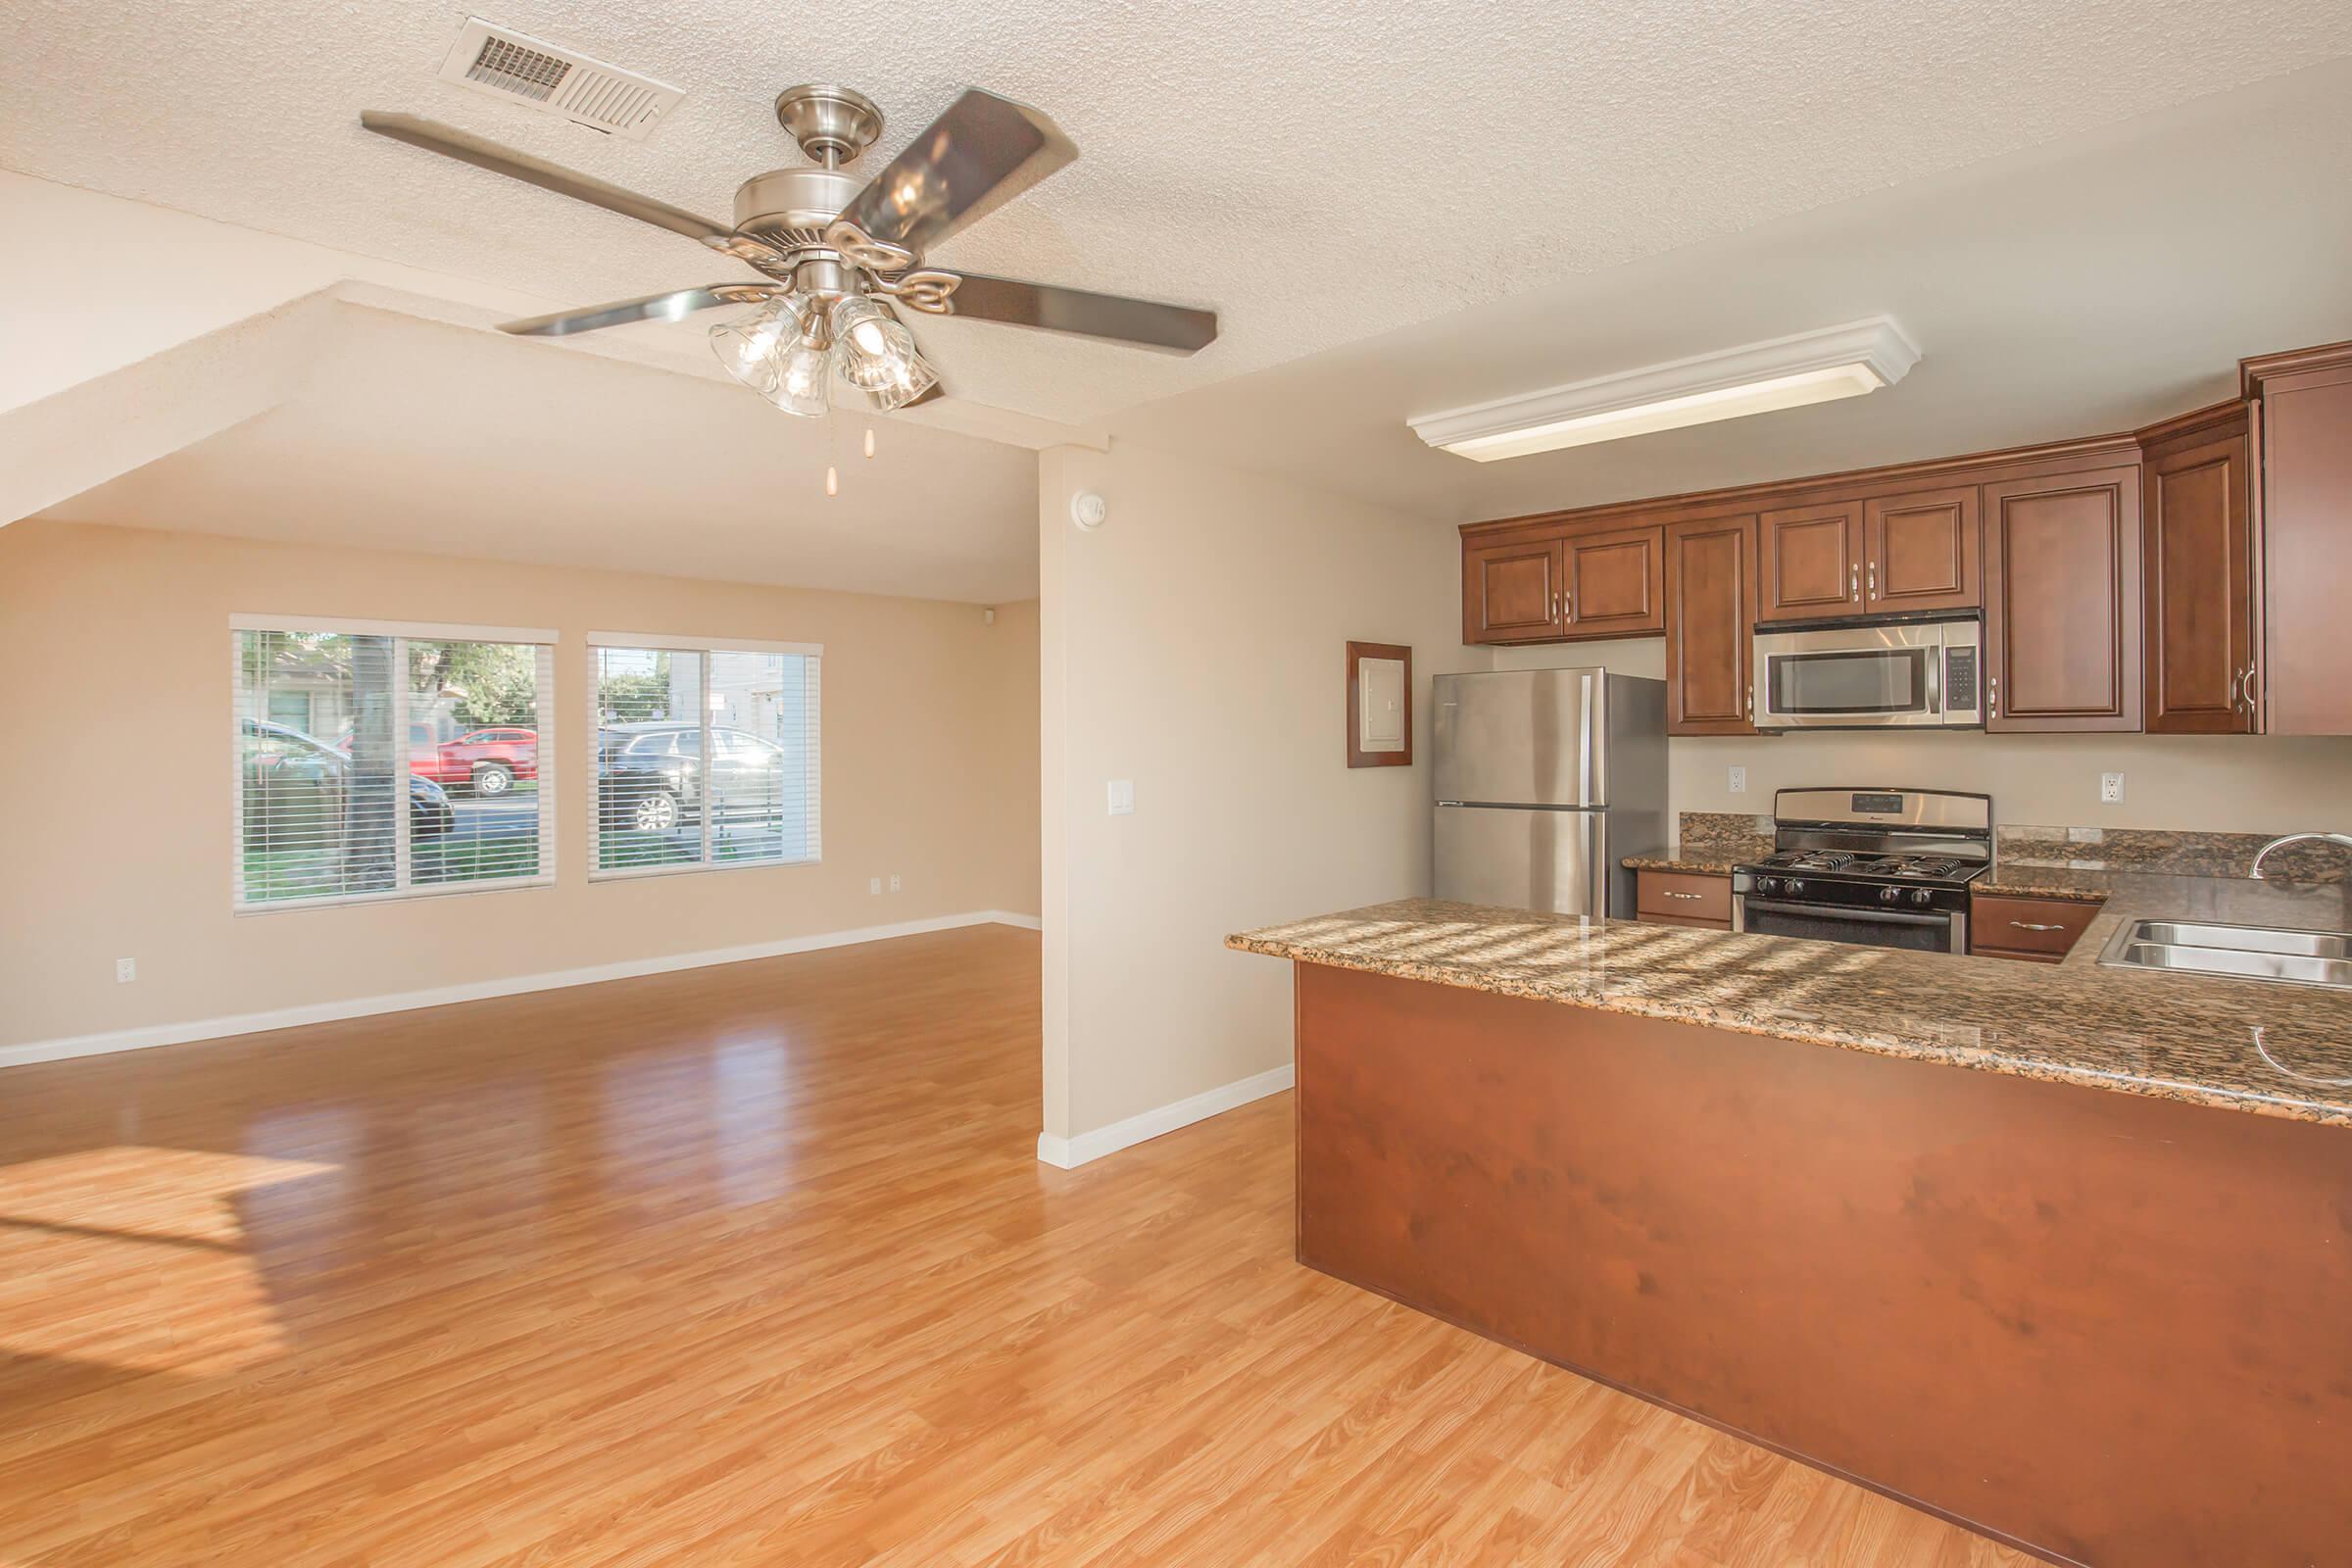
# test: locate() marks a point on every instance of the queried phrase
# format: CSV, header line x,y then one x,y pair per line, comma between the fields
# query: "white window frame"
x,y
402,632
667,642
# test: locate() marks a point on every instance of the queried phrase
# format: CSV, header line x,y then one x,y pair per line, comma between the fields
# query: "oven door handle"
x,y
1839,912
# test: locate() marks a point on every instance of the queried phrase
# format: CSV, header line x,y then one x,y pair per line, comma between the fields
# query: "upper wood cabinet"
x,y
1578,583
1922,551
2197,547
1511,593
2303,522
1810,562
2062,602
1710,627
1615,582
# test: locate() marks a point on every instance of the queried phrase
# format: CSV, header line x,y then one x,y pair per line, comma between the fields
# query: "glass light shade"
x,y
878,356
804,380
748,345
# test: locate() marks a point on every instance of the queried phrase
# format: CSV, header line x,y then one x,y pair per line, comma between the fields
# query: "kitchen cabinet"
x,y
1511,592
2037,930
1922,551
1614,582
2303,524
1684,898
1810,562
2198,550
1566,586
1710,627
2062,602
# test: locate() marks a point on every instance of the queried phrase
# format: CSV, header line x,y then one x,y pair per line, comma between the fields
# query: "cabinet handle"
x,y
1751,702
1568,605
2035,925
1695,897
1993,698
1853,581
2246,689
1874,580
2236,703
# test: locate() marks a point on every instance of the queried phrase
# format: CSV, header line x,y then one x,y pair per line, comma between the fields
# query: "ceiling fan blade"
x,y
1175,327
451,142
672,306
970,161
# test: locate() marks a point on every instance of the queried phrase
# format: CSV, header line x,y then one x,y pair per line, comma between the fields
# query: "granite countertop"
x,y
2084,884
1715,858
2243,1045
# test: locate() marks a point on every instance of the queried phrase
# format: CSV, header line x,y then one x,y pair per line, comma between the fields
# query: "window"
x,y
332,810
706,754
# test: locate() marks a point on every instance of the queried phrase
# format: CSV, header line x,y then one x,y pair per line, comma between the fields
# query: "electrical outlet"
x,y
873,884
894,881
126,970
2111,789
1739,784
1122,797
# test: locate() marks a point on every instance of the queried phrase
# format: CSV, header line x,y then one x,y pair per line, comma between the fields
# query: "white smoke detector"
x,y
515,66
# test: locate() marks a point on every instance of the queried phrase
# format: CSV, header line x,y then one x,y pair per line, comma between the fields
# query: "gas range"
x,y
1884,868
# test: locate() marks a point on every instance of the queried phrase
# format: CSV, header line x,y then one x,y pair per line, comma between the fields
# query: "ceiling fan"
x,y
840,257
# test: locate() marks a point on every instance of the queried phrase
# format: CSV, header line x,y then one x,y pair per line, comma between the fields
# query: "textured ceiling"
x,y
1319,170
435,438
2079,288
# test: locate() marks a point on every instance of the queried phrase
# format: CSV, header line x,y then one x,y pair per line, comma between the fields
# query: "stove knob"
x,y
1795,887
1766,885
1921,895
1890,895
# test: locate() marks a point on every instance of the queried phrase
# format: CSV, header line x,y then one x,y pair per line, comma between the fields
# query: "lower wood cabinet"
x,y
2038,930
1684,898
2062,602
1710,627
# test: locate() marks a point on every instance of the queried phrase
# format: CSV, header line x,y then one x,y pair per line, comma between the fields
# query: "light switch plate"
x,y
1122,797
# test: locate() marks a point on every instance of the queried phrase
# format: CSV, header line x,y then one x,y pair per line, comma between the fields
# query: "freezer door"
x,y
1522,737
1515,859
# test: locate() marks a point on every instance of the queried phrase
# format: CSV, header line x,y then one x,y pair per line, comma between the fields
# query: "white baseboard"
x,y
246,1024
1070,1152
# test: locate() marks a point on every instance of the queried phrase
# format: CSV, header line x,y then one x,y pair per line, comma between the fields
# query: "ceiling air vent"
x,y
555,80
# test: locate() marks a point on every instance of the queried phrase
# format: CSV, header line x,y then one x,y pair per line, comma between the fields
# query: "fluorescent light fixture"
x,y
1787,373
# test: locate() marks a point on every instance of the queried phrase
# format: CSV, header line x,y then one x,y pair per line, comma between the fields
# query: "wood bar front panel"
x,y
2107,1327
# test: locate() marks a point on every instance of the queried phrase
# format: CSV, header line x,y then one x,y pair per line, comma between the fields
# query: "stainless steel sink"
x,y
2242,951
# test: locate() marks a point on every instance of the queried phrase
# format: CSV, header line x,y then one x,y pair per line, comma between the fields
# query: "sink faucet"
x,y
2345,839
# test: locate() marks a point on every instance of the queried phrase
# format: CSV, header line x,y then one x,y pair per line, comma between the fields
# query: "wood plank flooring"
x,y
756,1265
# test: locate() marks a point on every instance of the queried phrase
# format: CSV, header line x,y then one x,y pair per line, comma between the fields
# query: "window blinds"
x,y
375,760
706,754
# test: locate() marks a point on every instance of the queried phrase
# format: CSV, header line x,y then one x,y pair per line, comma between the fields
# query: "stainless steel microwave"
x,y
1871,676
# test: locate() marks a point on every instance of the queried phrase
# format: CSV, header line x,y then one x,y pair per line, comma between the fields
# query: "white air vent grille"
x,y
555,80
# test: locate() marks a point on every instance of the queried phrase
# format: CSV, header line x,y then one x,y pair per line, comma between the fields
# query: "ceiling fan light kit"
x,y
1787,373
839,255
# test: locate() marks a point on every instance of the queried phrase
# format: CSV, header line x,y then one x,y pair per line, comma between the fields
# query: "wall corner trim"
x,y
142,1038
1070,1152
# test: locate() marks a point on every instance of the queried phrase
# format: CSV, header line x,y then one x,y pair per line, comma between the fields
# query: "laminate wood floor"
x,y
756,1265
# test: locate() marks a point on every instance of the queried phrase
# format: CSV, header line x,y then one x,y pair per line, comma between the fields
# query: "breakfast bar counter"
x,y
1901,1215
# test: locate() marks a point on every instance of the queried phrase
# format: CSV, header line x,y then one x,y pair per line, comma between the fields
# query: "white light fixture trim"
x,y
1787,373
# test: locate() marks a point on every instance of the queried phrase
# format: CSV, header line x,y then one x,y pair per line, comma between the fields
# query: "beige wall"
x,y
1195,645
117,821
2216,783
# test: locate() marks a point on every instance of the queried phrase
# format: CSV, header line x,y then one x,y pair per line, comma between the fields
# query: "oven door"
x,y
1877,928
1855,677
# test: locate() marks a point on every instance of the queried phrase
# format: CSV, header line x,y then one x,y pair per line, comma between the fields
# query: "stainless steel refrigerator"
x,y
1544,779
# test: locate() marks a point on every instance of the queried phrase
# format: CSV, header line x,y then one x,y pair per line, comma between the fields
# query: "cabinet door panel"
x,y
1922,551
1811,561
2200,593
1710,626
2307,543
2062,622
1615,582
1510,592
